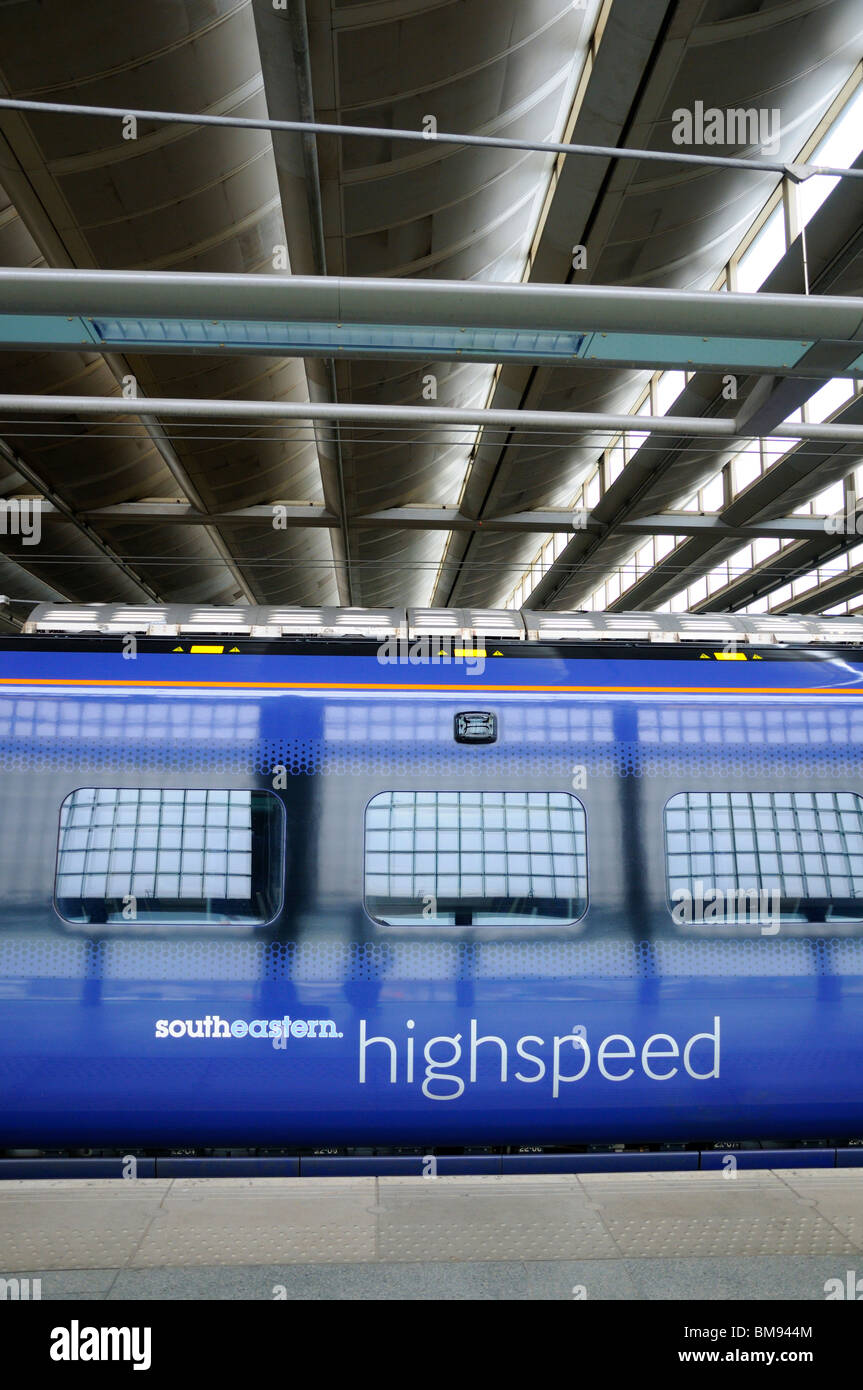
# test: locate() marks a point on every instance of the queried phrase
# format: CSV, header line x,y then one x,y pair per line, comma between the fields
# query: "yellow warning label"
x,y
730,656
467,651
177,649
209,650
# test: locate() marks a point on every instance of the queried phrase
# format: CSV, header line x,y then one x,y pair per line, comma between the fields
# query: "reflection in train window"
x,y
475,858
151,855
795,856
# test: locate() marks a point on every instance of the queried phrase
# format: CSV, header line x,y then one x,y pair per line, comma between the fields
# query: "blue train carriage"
x,y
292,879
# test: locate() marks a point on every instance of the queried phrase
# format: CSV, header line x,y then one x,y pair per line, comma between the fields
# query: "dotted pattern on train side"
x,y
358,737
339,962
317,758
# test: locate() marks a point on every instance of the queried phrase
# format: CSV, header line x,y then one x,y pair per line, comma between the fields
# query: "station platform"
x,y
770,1234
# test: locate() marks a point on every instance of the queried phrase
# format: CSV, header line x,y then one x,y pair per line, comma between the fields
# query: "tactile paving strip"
x,y
707,1215
186,1223
836,1199
467,1222
74,1225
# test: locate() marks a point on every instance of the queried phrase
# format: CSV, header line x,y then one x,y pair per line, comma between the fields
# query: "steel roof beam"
x,y
433,303
529,421
293,516
844,588
283,44
328,318
668,475
797,172
790,482
36,218
54,503
784,567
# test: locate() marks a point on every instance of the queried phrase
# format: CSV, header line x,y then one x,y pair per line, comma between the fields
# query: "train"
x,y
451,886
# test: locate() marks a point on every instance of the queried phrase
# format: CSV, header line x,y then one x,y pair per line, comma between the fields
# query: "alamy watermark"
x,y
433,651
751,125
758,906
850,1288
77,1343
19,1290
848,522
21,516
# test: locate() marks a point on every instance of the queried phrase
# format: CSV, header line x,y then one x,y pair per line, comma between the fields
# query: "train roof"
x,y
170,620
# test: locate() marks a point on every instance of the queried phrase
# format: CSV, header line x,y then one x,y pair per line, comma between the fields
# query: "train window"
x,y
789,856
475,858
152,855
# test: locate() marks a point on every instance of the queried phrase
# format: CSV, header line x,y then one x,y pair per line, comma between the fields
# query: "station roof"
x,y
376,272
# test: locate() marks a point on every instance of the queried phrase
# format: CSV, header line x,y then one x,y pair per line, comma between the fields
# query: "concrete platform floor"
x,y
757,1235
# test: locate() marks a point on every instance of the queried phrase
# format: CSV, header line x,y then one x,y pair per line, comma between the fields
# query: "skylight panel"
x,y
746,467
840,147
766,251
831,500
668,387
713,494
829,399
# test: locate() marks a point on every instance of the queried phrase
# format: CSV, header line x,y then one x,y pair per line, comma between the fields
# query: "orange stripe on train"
x,y
456,689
